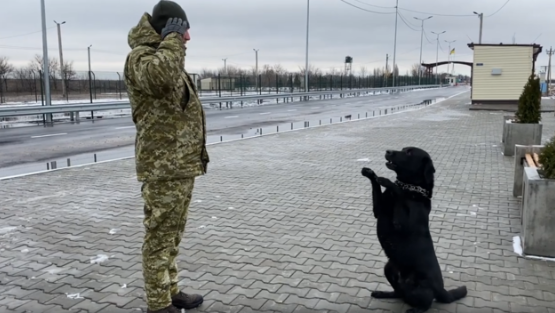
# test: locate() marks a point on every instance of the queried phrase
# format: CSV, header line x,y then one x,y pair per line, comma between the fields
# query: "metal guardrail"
x,y
104,106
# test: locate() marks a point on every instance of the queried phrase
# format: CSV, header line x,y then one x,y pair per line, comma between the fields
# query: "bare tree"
x,y
37,64
5,67
312,70
69,72
363,71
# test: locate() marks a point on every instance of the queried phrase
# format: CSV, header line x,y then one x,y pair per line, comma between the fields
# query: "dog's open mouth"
x,y
390,165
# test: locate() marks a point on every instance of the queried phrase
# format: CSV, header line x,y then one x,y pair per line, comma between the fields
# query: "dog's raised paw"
x,y
385,182
366,172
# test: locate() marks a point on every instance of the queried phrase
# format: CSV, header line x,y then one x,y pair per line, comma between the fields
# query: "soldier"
x,y
170,146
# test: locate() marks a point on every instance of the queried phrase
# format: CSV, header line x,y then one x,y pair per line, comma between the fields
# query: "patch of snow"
x,y
6,230
24,250
213,217
198,201
517,247
363,160
123,286
202,226
74,296
231,208
113,231
99,259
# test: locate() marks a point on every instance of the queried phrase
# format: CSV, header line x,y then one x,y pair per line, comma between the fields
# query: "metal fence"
x,y
91,86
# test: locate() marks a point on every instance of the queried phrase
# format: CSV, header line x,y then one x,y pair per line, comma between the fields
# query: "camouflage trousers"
x,y
165,216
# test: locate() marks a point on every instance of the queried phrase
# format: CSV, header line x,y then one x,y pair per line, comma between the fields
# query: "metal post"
x,y
421,44
61,57
225,65
256,66
45,63
437,54
481,17
306,56
90,78
395,41
449,54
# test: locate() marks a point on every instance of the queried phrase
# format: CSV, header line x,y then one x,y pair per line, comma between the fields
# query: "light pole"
x,y
481,17
45,64
306,56
421,44
437,54
449,53
395,42
90,72
61,57
256,66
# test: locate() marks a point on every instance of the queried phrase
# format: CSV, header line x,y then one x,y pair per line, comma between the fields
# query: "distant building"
x,y
500,71
213,83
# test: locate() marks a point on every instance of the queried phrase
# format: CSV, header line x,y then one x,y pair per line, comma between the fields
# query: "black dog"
x,y
402,213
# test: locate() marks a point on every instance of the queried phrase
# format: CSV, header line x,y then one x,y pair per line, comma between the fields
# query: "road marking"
x,y
49,135
292,110
265,113
124,127
235,116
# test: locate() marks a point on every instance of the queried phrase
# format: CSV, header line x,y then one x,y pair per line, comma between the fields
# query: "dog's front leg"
x,y
376,190
400,217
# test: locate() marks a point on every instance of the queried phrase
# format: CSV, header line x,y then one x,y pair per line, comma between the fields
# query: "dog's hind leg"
x,y
393,277
449,296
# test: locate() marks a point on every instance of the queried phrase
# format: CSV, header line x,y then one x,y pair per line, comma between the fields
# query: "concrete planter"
x,y
505,119
520,134
520,154
538,211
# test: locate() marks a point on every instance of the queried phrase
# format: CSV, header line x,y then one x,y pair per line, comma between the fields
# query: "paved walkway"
x,y
281,223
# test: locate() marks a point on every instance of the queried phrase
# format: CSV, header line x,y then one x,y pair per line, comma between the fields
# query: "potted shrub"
x,y
525,127
538,204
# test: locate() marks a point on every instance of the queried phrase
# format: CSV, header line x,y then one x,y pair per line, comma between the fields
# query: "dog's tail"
x,y
449,296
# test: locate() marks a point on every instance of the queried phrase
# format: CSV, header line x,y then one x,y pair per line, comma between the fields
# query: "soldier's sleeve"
x,y
157,73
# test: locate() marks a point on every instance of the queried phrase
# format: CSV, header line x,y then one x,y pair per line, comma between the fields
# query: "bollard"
x,y
241,136
373,113
95,158
291,126
331,120
366,114
308,124
53,165
221,138
320,122
340,119
277,129
260,131
359,116
380,112
68,162
47,166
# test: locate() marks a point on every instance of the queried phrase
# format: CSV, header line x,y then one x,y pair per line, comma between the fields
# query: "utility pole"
x,y
306,56
449,53
61,58
225,65
90,71
256,66
421,44
481,17
385,70
548,80
437,54
45,63
395,40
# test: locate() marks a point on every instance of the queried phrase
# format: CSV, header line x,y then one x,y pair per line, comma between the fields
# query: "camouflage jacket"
x,y
171,125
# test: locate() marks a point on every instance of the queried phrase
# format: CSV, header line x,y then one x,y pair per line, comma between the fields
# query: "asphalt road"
x,y
39,143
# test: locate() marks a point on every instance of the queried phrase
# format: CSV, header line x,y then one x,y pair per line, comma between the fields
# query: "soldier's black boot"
x,y
170,309
186,301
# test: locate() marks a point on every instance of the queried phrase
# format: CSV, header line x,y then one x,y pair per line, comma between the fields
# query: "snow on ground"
x,y
127,112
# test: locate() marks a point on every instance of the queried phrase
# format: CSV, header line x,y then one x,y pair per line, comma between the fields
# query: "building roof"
x,y
537,48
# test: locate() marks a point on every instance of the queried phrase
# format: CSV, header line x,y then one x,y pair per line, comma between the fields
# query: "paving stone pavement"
x,y
281,223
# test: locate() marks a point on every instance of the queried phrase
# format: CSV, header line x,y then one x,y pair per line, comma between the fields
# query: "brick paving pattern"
x,y
281,223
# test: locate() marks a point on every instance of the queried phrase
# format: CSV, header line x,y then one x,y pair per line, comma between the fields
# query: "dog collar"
x,y
414,188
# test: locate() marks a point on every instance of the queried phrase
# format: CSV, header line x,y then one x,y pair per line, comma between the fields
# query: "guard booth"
x,y
452,80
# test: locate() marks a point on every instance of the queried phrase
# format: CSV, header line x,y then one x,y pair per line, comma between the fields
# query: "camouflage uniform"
x,y
170,150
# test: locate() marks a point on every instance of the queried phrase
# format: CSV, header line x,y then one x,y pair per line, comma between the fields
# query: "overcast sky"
x,y
233,28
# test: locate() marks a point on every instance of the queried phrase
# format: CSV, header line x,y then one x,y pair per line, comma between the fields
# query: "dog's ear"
x,y
429,171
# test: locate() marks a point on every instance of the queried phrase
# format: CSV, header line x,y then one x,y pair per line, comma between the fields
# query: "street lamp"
x,y
61,57
449,55
481,17
45,64
437,54
306,56
421,44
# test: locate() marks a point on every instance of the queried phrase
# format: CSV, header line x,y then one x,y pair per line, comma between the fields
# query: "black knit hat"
x,y
164,10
